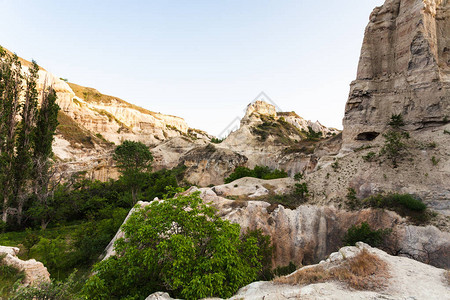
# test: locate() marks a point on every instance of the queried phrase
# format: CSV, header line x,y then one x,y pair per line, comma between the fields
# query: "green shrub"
x,y
265,251
299,176
179,245
396,121
261,172
394,146
404,204
53,290
216,140
286,270
435,161
363,233
312,135
8,277
352,201
301,190
369,156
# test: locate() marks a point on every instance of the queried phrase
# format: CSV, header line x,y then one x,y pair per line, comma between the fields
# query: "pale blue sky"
x,y
200,60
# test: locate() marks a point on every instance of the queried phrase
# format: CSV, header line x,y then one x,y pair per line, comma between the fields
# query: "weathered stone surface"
x,y
34,271
404,68
310,233
405,279
408,279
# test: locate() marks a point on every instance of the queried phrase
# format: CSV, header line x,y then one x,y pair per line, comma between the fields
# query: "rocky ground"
x,y
393,278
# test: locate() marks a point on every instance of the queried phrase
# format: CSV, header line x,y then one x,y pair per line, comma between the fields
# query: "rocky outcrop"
x,y
34,271
404,279
309,233
209,165
404,68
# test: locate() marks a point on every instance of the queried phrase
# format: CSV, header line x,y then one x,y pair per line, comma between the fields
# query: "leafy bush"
x,y
53,290
301,190
261,172
394,146
396,121
8,277
312,135
352,201
363,233
404,204
265,251
178,245
369,156
216,140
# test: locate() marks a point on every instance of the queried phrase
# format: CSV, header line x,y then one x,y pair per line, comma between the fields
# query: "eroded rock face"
x,y
309,233
405,279
209,164
404,68
34,271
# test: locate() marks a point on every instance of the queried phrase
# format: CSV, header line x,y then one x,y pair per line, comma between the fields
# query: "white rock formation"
x,y
34,271
409,279
404,68
309,233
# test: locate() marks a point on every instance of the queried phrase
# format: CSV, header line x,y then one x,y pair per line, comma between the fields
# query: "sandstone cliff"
x,y
309,233
404,68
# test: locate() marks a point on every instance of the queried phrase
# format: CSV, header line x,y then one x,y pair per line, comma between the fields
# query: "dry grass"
x,y
76,135
92,95
365,271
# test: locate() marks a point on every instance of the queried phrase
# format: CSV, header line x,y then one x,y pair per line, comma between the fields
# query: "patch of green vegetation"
x,y
363,147
369,156
53,290
352,202
363,233
8,277
312,135
202,256
261,172
396,121
279,129
217,140
435,161
446,131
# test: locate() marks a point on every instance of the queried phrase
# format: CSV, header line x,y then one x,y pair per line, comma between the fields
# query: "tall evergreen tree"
x,y
47,121
23,162
10,92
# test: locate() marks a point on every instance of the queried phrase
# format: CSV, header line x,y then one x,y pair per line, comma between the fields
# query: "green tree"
x,y
134,162
10,90
178,245
43,138
23,164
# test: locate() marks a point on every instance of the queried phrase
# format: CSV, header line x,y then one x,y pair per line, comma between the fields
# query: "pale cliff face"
x,y
116,120
404,68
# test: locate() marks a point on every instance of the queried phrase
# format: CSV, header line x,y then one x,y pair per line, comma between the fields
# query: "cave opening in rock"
x,y
367,136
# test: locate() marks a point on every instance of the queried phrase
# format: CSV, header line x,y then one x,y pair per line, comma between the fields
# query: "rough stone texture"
x,y
309,233
209,165
404,68
406,280
34,271
409,279
249,187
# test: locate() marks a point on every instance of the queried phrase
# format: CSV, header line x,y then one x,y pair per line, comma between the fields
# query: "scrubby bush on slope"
x,y
179,245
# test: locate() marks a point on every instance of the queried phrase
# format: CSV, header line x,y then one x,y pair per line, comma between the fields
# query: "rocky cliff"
x,y
266,137
404,68
309,233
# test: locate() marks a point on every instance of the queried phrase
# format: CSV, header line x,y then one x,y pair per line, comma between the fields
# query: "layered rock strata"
x,y
404,69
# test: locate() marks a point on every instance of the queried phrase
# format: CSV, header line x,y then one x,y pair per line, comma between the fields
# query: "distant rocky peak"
x,y
258,108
